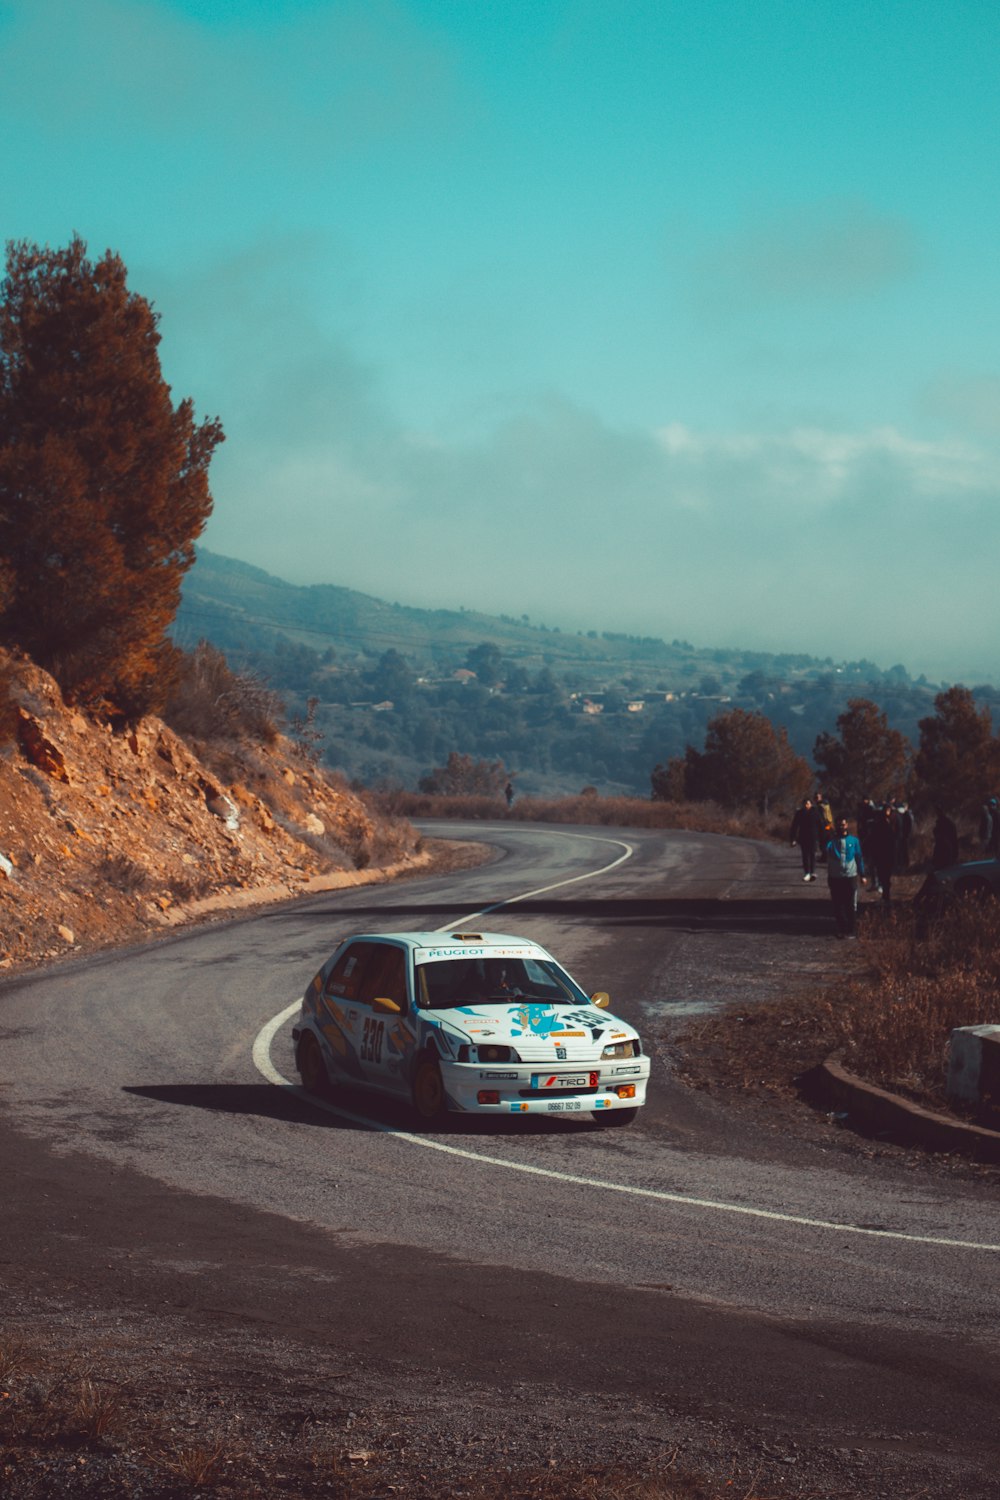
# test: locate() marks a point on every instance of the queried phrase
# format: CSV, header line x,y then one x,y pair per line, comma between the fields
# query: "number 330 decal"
x,y
372,1039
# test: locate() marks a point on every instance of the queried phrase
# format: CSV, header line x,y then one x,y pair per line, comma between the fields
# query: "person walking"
x,y
989,827
824,820
868,813
845,864
904,833
945,850
805,832
883,842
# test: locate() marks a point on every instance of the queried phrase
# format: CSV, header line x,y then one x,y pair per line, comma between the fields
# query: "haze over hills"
x,y
228,601
388,691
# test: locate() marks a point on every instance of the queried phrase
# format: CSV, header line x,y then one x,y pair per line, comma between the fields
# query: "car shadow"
x,y
265,1101
789,915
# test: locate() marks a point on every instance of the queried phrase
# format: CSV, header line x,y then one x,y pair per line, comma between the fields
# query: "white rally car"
x,y
468,1022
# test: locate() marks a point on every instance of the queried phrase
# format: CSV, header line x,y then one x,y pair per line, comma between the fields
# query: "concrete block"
x,y
973,1077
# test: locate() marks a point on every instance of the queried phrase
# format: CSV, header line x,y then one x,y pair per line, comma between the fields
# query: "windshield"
x,y
478,981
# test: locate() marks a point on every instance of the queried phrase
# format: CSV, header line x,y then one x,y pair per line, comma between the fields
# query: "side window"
x,y
346,978
385,976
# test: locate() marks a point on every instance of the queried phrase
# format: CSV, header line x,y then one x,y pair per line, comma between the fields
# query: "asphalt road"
x,y
715,1273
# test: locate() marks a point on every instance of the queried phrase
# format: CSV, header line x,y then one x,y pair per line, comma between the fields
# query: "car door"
x,y
387,1034
342,1012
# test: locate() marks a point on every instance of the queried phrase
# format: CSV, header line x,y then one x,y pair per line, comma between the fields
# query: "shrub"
x,y
8,707
123,874
212,702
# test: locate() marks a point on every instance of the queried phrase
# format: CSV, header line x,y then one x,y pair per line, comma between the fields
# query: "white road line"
x,y
264,1065
591,838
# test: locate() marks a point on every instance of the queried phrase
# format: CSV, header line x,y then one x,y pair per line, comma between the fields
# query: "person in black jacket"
x,y
945,851
883,844
805,832
868,814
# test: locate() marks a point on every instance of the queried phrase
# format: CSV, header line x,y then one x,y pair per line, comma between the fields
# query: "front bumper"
x,y
534,1089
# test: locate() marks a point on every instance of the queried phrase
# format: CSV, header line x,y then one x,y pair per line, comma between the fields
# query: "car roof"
x,y
460,938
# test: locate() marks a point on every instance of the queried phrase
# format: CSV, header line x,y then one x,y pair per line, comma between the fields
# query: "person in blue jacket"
x,y
844,866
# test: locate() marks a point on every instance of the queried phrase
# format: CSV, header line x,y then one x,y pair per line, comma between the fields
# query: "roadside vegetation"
x,y
103,481
893,1025
586,808
888,1016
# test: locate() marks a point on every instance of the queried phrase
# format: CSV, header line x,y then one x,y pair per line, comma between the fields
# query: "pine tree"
x,y
103,482
746,763
869,759
958,761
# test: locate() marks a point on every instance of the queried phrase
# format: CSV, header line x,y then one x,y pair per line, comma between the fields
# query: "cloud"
x,y
968,402
837,542
328,81
833,251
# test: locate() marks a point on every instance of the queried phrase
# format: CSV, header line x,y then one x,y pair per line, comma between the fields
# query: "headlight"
x,y
620,1049
492,1054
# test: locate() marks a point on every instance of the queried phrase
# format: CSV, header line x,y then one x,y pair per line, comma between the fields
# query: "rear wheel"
x,y
428,1091
615,1116
312,1068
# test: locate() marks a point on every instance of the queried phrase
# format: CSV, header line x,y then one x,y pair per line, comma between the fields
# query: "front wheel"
x,y
973,889
615,1116
428,1091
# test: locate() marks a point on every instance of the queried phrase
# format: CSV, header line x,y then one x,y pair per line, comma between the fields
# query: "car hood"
x,y
988,869
534,1029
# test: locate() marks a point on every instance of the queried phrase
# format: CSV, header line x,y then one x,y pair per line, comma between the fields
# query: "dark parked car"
x,y
976,878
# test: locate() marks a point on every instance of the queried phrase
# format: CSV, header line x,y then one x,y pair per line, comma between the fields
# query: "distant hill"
x,y
389,691
225,599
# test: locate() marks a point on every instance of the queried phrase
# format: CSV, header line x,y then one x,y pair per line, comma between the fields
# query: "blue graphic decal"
x,y
535,1020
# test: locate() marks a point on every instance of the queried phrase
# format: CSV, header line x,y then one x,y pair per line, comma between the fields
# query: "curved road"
x,y
722,1281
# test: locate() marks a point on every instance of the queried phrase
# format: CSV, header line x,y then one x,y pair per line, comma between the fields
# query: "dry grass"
x,y
894,1023
199,1465
211,702
890,1016
124,874
8,708
62,1416
616,812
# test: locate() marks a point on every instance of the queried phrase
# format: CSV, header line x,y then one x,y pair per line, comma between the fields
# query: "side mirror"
x,y
602,999
387,1008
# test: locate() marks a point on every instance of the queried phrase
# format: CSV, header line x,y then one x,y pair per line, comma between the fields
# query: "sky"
x,y
673,317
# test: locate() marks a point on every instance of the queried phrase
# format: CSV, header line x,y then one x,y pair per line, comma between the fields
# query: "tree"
x,y
486,661
746,762
465,777
103,482
669,782
869,758
958,761
392,677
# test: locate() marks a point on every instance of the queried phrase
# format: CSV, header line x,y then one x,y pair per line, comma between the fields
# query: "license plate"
x,y
559,1081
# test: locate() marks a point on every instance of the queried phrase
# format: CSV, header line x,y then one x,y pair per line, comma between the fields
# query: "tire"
x,y
617,1117
427,1091
975,889
312,1068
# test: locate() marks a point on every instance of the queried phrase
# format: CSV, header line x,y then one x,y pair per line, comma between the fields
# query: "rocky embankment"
x,y
109,831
